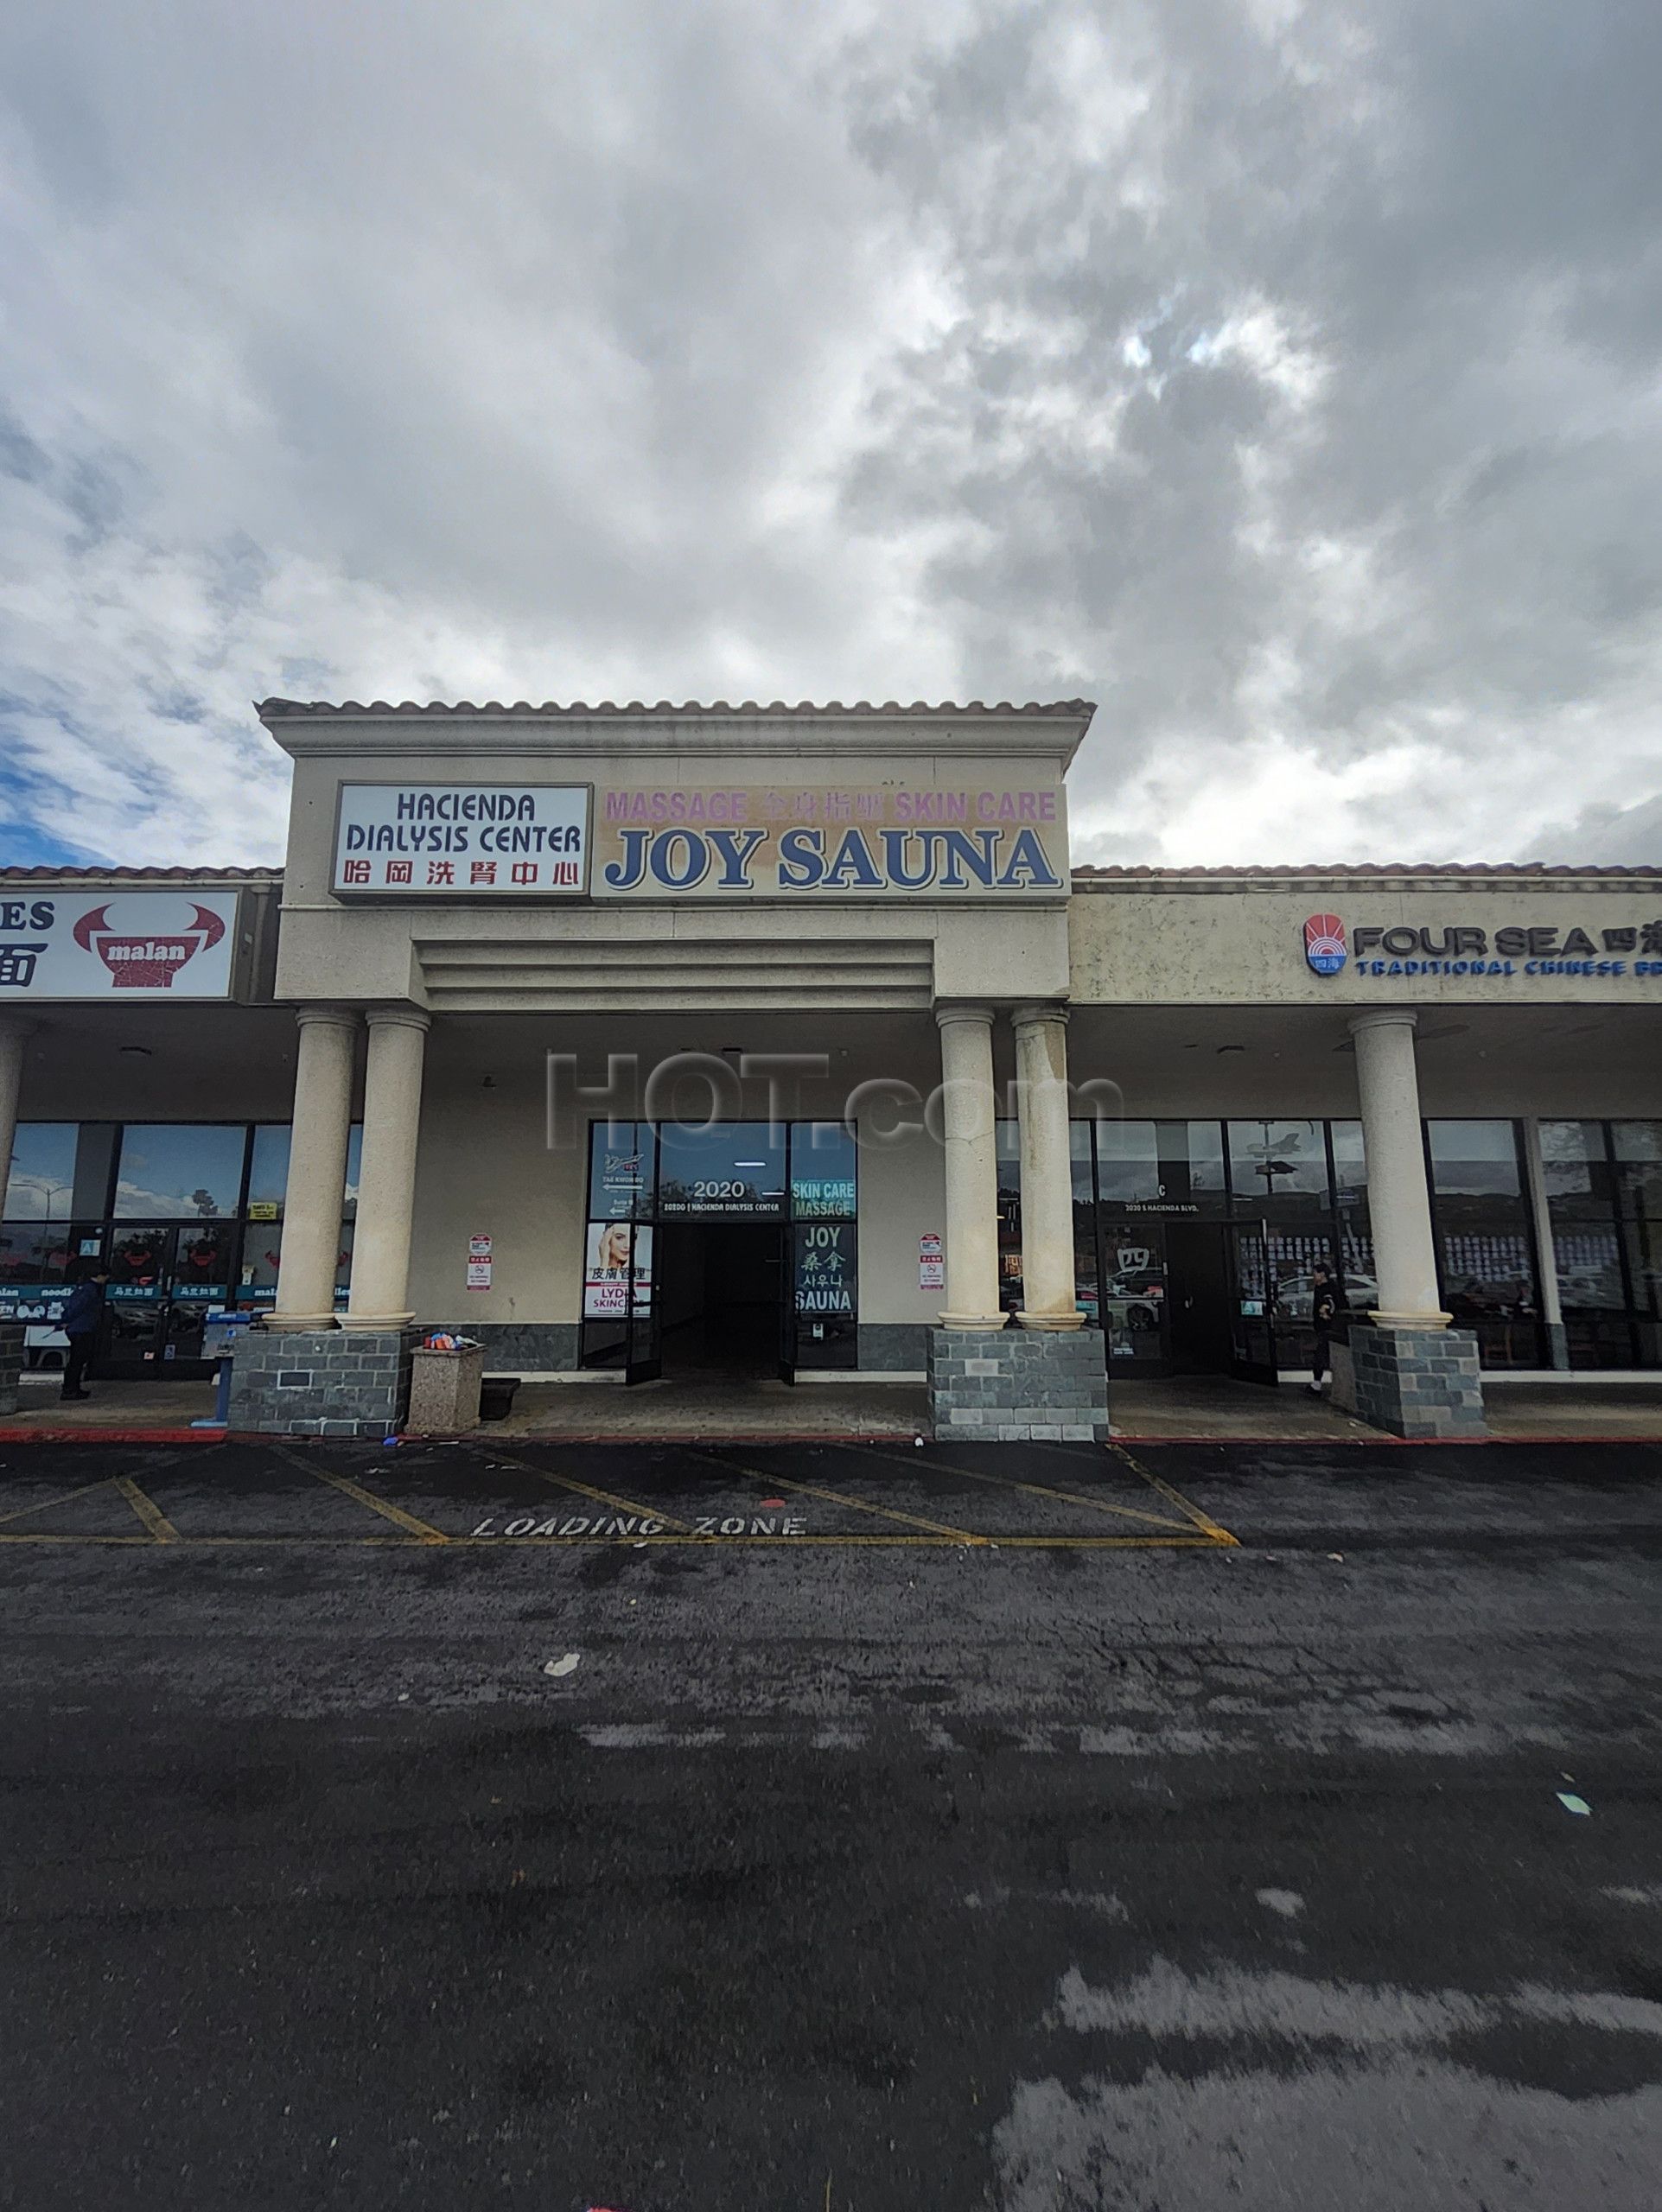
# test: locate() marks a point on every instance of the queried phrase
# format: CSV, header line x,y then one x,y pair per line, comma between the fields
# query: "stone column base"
x,y
1000,1386
11,1366
1416,1381
333,1383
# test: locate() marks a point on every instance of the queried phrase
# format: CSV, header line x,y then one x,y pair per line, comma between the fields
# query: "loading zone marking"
x,y
578,1527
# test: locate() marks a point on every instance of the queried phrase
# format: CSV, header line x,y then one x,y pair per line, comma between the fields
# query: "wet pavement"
x,y
1020,1830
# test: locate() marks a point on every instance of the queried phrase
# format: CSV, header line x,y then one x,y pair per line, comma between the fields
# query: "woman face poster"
x,y
612,1246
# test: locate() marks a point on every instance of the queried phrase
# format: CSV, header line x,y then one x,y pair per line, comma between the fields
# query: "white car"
x,y
1295,1294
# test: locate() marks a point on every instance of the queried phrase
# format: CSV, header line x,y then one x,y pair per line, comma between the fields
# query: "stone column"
x,y
1048,1294
1398,1197
317,1169
386,1185
971,1168
1412,1374
14,1036
1541,1214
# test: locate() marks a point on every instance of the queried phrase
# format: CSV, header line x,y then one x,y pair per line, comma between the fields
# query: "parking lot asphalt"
x,y
1021,1829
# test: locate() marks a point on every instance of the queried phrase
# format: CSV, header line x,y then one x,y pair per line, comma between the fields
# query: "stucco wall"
x,y
1230,943
484,1168
902,1192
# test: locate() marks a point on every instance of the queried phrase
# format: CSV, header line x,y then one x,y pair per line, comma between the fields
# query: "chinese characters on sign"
x,y
931,1261
479,1262
825,1268
617,1248
462,841
142,942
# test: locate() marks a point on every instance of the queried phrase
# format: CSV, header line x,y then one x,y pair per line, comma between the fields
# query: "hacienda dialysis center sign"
x,y
541,840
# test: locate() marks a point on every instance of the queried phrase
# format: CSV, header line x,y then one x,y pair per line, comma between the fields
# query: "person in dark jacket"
x,y
83,1312
1324,1309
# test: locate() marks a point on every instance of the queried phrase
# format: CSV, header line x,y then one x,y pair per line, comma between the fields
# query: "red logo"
x,y
147,962
1324,944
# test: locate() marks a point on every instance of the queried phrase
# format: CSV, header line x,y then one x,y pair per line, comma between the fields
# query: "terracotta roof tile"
x,y
287,709
40,874
1361,868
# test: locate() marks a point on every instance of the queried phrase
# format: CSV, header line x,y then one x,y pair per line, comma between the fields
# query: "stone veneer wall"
x,y
521,1347
11,1366
894,1347
998,1386
322,1382
1416,1382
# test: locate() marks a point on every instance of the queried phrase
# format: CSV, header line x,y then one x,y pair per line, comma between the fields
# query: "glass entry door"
x,y
1252,1305
643,1359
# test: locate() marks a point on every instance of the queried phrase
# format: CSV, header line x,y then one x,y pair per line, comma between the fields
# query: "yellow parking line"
x,y
161,1529
887,1538
42,1536
582,1489
63,1498
1219,1535
1027,1490
841,1497
360,1496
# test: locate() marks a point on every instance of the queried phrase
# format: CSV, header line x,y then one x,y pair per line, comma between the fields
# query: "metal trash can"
x,y
444,1389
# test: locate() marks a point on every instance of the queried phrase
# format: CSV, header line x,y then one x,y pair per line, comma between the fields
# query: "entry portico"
x,y
792,873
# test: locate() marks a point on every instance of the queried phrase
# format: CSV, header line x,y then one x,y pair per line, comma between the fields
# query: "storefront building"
x,y
788,1041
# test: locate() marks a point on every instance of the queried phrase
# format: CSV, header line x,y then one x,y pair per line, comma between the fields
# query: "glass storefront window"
x,y
825,1276
141,1262
202,1262
32,1254
1128,1161
822,1171
1643,1238
42,1184
734,1169
1359,1283
615,1252
1638,1148
1475,1159
1133,1302
1574,1168
1006,1148
1279,1167
1203,1156
176,1171
621,1156
268,1172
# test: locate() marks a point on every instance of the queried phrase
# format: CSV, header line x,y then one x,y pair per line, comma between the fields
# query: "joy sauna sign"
x,y
142,943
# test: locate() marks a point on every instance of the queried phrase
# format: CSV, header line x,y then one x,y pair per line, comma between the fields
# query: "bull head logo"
x,y
144,962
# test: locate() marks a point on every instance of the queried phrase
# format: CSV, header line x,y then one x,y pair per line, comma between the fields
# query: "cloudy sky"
x,y
1283,377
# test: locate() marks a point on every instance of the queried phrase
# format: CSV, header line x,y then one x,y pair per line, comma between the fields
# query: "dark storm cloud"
x,y
1282,377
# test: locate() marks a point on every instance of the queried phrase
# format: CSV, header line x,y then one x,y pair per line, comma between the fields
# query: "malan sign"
x,y
141,944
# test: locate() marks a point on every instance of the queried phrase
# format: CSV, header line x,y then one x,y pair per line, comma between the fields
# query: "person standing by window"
x,y
83,1312
1324,1310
